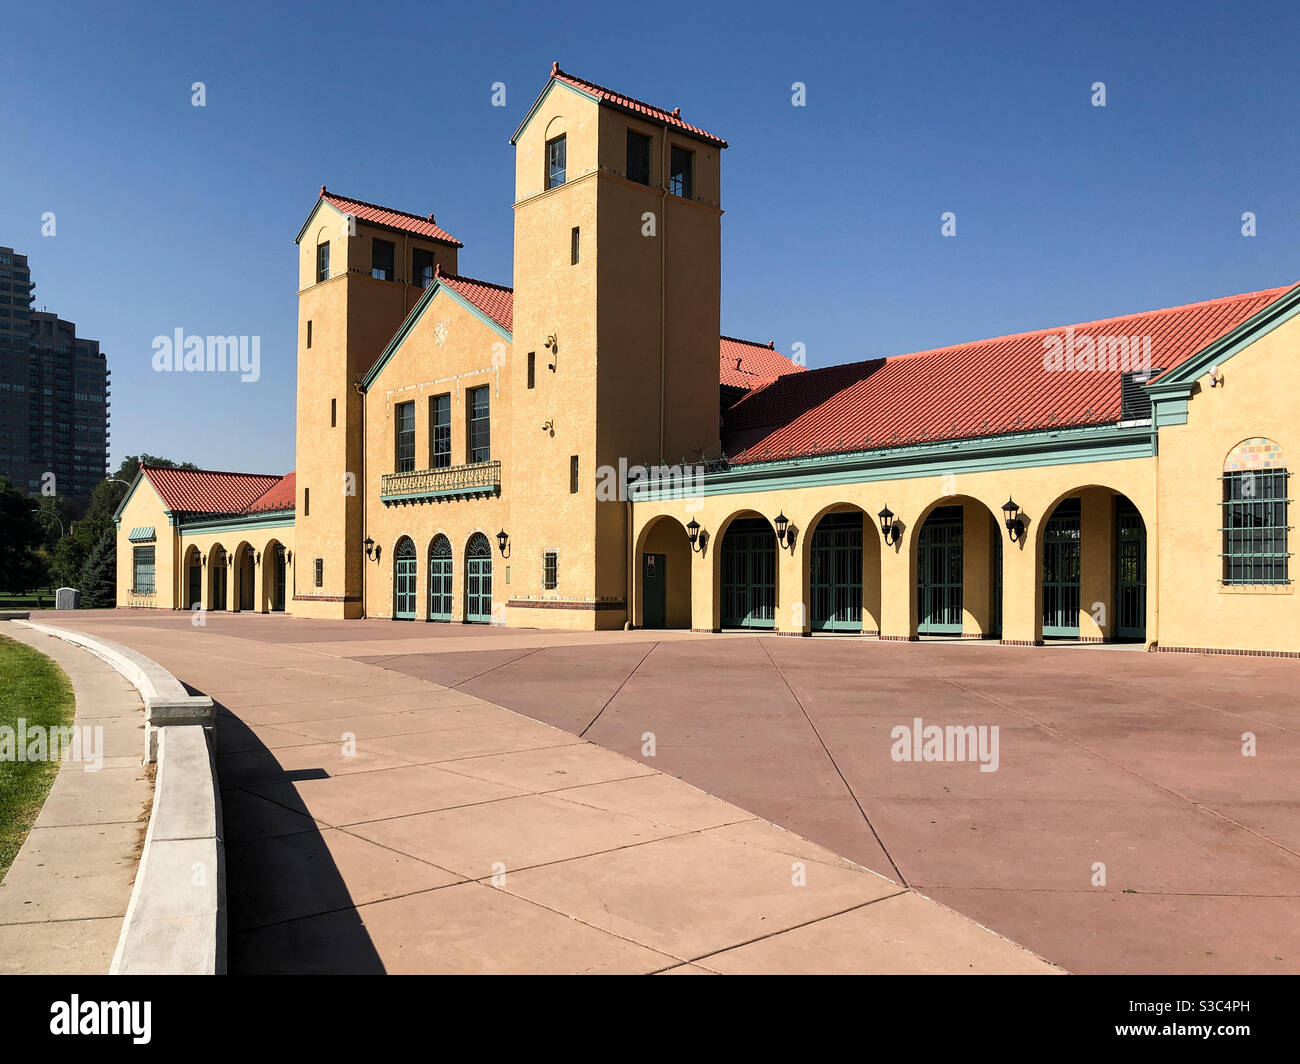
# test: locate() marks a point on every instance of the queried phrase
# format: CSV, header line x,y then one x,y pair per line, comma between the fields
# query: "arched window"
x,y
440,570
1255,507
404,580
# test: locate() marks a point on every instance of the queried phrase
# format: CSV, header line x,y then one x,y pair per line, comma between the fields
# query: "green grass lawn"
x,y
35,688
42,599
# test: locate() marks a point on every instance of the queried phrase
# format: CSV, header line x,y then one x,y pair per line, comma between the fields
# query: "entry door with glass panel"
x,y
404,581
1062,550
478,580
195,583
749,574
219,578
939,573
440,565
835,574
1130,572
654,597
277,559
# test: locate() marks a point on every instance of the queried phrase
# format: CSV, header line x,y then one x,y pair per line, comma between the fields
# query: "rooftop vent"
x,y
1134,399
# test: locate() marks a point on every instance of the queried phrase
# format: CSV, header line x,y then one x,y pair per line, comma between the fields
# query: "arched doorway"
x,y
193,580
245,571
748,560
1062,563
478,580
273,575
1130,571
440,579
218,578
835,573
665,561
404,580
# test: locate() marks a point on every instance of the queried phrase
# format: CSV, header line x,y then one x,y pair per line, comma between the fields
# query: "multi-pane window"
x,y
555,156
421,268
405,422
550,569
480,438
142,569
322,262
1255,526
638,157
439,431
573,474
382,259
681,181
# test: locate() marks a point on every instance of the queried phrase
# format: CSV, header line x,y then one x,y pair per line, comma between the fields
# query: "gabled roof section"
x,y
385,217
279,496
610,98
748,364
987,388
209,491
495,300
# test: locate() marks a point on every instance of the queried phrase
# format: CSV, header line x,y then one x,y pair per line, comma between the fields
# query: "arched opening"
x,y
665,572
1093,568
958,571
404,580
837,597
440,579
748,584
1255,519
274,568
245,567
478,580
193,580
218,578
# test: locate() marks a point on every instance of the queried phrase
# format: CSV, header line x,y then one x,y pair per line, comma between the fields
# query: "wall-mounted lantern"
x,y
502,540
782,523
370,547
889,528
693,534
1015,523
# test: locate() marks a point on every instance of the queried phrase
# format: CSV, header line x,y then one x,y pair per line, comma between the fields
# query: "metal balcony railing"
x,y
478,478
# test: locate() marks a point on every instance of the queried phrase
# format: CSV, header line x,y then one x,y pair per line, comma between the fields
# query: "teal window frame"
x,y
1254,528
143,570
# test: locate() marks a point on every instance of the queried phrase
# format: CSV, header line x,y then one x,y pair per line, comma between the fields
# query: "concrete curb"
x,y
175,922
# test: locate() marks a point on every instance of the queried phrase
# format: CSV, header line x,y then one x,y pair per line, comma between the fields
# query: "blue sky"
x,y
171,216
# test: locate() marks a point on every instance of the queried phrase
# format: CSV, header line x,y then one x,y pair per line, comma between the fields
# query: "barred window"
x,y
1255,526
550,569
142,569
405,421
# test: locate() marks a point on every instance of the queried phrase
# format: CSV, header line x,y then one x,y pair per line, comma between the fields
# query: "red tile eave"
x,y
208,491
390,218
639,108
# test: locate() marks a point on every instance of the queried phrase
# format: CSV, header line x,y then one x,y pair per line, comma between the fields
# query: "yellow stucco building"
x,y
586,451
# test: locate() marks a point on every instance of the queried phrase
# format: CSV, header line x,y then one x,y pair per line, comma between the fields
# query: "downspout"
x,y
364,600
663,282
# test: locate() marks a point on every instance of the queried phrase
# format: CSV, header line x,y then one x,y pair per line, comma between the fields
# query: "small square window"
x,y
550,570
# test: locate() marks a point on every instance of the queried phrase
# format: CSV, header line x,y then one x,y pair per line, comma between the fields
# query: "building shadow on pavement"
x,y
289,907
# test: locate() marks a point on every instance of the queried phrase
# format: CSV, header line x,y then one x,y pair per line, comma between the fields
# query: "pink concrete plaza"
x,y
386,811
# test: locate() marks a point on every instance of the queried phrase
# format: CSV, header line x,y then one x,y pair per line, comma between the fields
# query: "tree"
x,y
21,568
99,577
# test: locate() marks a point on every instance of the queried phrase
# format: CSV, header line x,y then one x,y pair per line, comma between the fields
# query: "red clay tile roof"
x,y
747,364
208,491
986,388
640,108
494,300
392,219
279,496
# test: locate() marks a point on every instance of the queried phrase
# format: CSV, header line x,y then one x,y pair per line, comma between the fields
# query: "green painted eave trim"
x,y
416,315
550,85
1099,443
274,519
441,493
117,514
1262,322
320,202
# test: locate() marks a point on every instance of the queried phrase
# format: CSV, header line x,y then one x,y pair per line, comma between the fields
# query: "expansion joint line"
x,y
626,680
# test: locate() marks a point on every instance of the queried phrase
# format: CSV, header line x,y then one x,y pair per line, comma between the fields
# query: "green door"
x,y
440,564
835,574
219,578
195,599
478,580
277,560
939,573
1130,572
246,582
404,580
749,574
1062,549
654,591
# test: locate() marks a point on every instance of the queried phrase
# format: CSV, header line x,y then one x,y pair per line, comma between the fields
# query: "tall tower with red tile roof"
x,y
361,268
617,261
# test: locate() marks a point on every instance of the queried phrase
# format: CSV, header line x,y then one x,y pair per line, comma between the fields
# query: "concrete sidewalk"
x,y
64,897
377,822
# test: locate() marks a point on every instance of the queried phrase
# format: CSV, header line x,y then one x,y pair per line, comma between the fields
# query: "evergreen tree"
x,y
99,577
